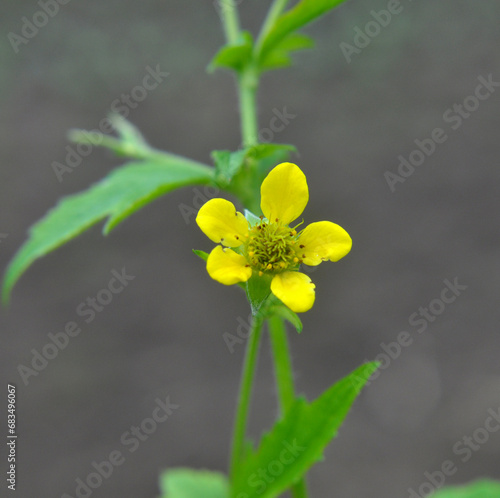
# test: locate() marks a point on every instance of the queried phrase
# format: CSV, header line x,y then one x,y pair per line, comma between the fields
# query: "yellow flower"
x,y
271,247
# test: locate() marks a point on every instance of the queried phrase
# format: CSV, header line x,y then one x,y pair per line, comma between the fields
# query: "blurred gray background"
x,y
163,335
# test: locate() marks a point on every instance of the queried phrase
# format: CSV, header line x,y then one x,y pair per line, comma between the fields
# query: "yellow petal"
x,y
227,266
323,241
284,193
295,289
220,222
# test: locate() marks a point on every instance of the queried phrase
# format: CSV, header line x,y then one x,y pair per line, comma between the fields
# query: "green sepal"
x,y
201,254
252,218
286,313
235,56
269,305
227,164
258,289
304,432
482,488
189,483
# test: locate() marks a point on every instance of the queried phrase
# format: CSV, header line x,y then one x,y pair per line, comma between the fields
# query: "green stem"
x,y
248,374
249,80
284,380
248,83
282,363
230,20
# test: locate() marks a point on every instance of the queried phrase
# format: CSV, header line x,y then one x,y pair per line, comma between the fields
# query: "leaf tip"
x,y
6,296
10,279
109,225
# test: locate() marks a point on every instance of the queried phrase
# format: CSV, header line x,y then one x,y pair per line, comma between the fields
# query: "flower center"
x,y
271,247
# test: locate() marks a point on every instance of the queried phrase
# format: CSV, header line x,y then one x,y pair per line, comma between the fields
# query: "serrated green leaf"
x,y
116,197
280,55
296,442
234,56
484,488
188,483
297,17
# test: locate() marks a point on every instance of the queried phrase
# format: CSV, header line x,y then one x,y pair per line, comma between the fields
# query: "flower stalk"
x,y
245,392
282,363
